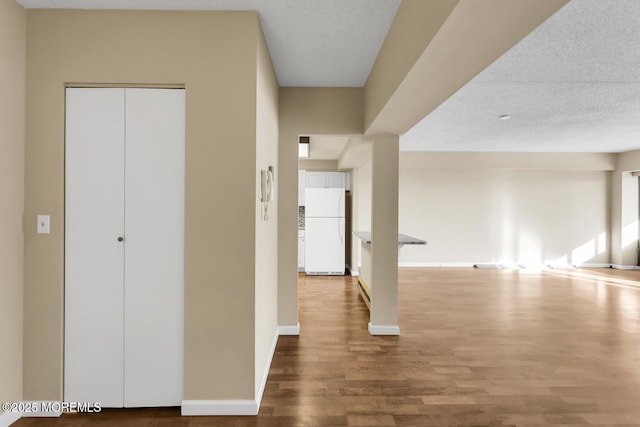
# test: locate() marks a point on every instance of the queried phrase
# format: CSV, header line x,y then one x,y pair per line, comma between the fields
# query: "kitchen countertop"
x,y
403,239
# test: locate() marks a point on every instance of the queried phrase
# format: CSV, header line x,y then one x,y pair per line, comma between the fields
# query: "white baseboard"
x,y
561,266
435,264
267,367
495,265
353,272
289,329
594,265
384,329
219,407
625,267
8,418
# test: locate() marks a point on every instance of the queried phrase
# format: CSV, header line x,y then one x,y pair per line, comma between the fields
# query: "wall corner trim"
x,y
267,367
289,329
384,329
8,418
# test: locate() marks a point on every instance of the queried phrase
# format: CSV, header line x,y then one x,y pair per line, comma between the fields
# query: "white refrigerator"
x,y
324,234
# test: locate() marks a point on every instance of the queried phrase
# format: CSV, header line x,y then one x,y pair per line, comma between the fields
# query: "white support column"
x,y
624,220
384,236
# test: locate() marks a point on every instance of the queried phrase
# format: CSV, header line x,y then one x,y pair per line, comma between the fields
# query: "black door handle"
x,y
120,239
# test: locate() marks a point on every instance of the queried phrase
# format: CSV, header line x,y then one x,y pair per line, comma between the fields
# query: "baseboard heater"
x,y
365,292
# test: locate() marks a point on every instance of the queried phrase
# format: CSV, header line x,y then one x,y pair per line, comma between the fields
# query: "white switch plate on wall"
x,y
43,224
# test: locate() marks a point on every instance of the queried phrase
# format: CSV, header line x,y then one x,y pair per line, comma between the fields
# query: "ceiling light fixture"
x,y
304,147
504,117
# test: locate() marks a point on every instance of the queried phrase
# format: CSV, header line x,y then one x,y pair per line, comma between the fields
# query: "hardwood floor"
x,y
477,347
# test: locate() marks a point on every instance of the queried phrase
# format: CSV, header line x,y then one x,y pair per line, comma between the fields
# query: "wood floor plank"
x,y
477,347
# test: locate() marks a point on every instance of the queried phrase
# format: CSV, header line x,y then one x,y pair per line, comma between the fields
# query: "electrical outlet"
x,y
43,224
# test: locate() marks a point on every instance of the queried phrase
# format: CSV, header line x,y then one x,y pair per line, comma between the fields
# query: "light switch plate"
x,y
43,224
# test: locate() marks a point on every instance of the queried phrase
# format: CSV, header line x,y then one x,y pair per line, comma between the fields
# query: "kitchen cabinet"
x,y
300,250
314,179
335,179
124,246
327,180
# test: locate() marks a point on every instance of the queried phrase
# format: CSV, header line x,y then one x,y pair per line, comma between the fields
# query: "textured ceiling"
x,y
330,43
572,85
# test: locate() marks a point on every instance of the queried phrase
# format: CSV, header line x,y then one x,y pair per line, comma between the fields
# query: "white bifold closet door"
x,y
124,246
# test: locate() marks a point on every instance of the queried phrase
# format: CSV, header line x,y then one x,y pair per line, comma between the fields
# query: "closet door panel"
x,y
154,259
94,218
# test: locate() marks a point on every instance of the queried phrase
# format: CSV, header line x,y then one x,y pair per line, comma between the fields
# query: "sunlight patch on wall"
x,y
602,243
630,234
584,252
529,250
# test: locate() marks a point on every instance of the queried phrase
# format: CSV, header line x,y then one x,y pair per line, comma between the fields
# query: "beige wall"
x,y
629,161
494,209
214,55
318,165
266,248
304,111
13,31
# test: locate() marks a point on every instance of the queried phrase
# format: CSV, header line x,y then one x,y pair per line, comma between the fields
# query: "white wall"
x,y
504,216
502,208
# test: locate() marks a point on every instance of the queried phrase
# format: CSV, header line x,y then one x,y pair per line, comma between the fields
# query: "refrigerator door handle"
x,y
341,231
341,212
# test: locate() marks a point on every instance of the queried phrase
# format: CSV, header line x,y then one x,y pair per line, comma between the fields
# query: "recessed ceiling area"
x,y
572,85
313,43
